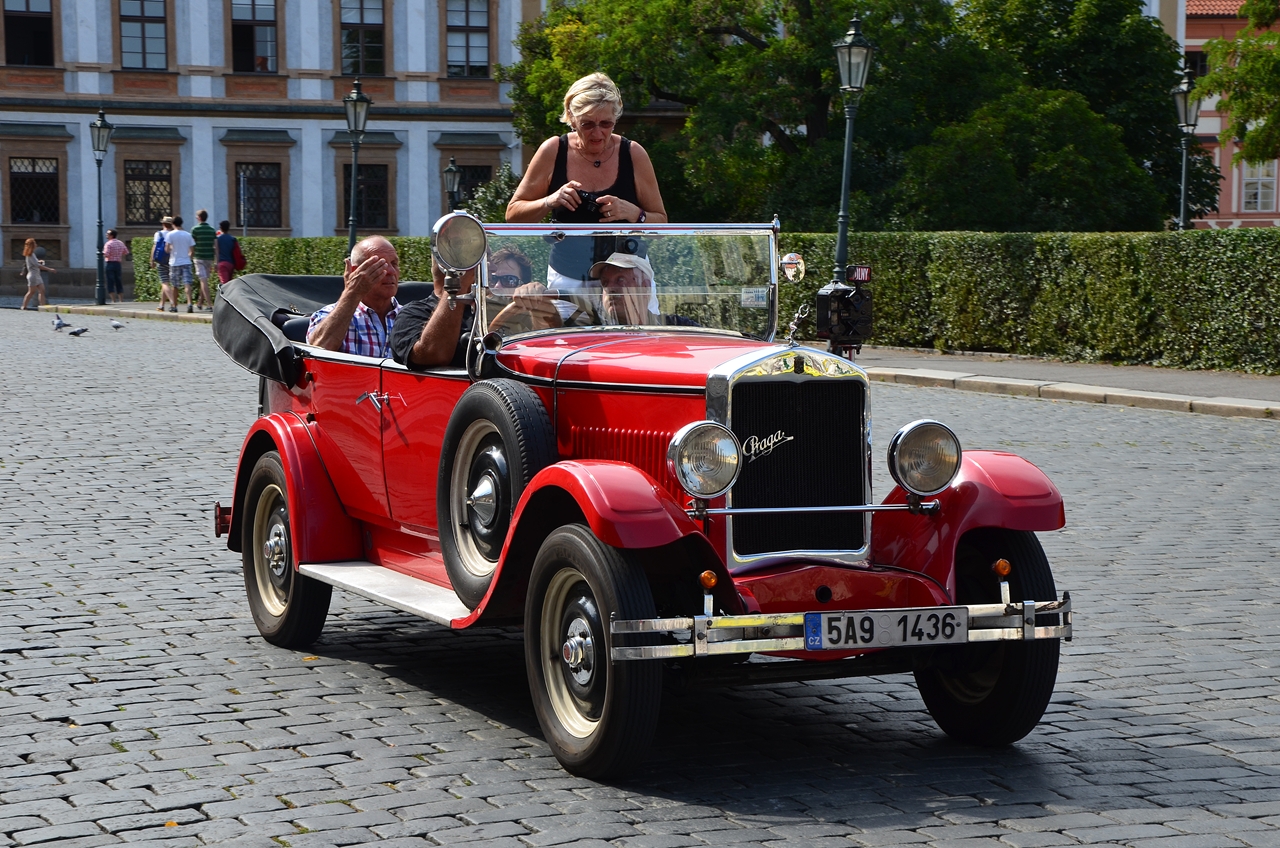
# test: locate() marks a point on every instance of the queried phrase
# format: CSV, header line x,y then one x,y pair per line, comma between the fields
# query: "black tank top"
x,y
574,257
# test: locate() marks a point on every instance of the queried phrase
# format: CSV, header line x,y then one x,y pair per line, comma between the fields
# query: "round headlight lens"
x,y
924,457
704,458
458,241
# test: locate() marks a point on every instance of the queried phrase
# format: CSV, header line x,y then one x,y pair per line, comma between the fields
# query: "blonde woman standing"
x,y
35,282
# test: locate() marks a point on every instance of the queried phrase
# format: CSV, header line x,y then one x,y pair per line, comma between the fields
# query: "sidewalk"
x,y
1211,392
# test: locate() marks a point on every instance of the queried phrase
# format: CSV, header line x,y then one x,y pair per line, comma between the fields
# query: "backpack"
x,y
157,252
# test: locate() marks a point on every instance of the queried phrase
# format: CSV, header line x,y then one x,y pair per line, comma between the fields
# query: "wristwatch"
x,y
643,217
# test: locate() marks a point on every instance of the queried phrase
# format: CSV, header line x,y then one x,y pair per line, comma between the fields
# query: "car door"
x,y
346,398
415,414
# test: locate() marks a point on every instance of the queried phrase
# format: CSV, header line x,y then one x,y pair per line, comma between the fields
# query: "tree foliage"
x,y
1246,74
764,126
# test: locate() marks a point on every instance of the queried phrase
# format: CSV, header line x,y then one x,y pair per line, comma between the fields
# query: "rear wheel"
x,y
994,693
598,716
288,608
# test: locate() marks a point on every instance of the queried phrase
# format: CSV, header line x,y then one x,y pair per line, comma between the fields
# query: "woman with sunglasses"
x,y
587,176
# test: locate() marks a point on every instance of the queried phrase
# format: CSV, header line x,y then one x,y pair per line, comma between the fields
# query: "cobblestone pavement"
x,y
139,705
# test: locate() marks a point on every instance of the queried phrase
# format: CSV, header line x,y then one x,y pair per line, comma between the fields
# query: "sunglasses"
x,y
588,126
507,281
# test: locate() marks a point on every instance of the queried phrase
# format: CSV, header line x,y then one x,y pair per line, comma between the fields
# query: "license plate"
x,y
844,631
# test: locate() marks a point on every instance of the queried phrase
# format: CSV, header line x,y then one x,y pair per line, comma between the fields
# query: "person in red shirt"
x,y
114,252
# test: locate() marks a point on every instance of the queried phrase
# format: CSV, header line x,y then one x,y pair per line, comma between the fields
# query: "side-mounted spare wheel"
x,y
288,608
598,716
499,436
994,693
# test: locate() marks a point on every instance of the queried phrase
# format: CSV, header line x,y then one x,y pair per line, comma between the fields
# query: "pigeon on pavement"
x,y
116,325
79,331
58,323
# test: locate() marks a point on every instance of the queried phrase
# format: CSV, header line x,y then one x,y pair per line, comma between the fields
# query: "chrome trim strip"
x,y
541,229
1014,622
926,506
630,387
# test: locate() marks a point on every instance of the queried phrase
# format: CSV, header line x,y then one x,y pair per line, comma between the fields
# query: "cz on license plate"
x,y
832,631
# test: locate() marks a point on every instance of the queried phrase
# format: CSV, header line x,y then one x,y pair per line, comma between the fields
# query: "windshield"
x,y
690,278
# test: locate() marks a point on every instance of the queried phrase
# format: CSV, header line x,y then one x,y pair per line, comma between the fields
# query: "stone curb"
x,y
1050,390
141,312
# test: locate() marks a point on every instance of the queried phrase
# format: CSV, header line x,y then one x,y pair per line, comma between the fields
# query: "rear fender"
x,y
993,489
625,508
321,530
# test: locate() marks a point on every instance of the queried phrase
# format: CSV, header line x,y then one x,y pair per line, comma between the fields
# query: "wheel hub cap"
x,y
578,652
484,499
273,551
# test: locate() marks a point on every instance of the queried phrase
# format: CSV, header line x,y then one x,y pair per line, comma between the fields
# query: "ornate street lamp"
x,y
357,104
853,55
1188,116
100,134
452,181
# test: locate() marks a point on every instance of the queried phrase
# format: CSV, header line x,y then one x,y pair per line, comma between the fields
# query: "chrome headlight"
x,y
458,242
924,457
704,456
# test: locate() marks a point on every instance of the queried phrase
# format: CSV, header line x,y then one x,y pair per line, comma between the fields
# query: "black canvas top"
x,y
250,310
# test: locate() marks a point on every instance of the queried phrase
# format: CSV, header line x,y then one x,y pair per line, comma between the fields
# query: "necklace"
x,y
596,162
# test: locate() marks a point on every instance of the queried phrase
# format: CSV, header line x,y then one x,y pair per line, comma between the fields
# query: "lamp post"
x,y
357,104
452,180
100,134
853,56
1188,116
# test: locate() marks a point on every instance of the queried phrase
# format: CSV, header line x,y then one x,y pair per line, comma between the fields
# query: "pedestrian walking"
x,y
113,253
160,261
33,266
182,249
204,255
230,259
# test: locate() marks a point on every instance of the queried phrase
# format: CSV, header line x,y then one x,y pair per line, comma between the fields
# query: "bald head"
x,y
369,246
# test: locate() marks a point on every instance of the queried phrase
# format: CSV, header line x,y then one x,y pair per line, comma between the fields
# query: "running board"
x,y
409,594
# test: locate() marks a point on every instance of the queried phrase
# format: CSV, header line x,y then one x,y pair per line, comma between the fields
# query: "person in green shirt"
x,y
204,256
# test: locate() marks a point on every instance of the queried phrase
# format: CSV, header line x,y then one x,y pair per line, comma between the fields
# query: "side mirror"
x,y
793,267
458,242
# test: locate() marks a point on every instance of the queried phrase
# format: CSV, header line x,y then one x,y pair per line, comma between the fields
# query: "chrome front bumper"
x,y
710,635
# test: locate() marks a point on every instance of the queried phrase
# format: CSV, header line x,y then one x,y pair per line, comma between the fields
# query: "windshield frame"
x,y
497,231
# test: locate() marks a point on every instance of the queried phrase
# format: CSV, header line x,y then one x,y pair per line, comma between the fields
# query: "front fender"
x,y
993,489
321,530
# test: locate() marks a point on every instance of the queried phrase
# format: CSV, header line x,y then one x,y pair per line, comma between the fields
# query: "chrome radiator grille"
x,y
816,459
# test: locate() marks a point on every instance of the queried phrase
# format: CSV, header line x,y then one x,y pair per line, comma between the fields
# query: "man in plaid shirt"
x,y
361,321
112,253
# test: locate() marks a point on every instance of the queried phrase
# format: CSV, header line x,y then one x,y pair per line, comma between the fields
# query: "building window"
x,y
33,190
142,35
468,37
148,191
28,32
372,194
253,36
258,194
471,178
363,45
1198,62
1260,187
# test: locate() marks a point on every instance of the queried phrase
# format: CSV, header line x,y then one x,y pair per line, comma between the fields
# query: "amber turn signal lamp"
x,y
1001,567
708,579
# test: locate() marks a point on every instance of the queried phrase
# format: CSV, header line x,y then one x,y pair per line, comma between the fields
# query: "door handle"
x,y
372,398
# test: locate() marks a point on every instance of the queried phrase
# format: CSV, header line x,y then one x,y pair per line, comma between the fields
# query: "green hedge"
x,y
1200,299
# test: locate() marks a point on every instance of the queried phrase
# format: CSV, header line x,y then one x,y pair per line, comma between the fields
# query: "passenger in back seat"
x,y
362,319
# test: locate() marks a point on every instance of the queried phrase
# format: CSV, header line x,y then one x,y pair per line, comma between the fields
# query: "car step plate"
x,y
913,626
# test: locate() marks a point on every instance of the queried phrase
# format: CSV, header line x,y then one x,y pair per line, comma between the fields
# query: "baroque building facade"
x,y
235,106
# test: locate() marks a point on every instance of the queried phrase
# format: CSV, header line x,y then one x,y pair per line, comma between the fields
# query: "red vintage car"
x,y
658,490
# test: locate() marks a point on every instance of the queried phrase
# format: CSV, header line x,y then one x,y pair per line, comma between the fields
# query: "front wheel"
x,y
288,608
597,716
994,693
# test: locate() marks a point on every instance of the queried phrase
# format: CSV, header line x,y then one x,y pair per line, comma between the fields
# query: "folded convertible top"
x,y
246,312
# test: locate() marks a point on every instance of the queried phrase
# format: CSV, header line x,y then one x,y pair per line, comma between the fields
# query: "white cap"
x,y
622,260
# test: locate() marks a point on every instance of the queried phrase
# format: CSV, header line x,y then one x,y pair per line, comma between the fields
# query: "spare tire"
x,y
499,436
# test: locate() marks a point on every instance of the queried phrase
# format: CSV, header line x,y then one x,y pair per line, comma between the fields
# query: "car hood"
x,y
658,359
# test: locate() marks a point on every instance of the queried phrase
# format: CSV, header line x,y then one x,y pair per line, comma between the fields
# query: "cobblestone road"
x,y
139,705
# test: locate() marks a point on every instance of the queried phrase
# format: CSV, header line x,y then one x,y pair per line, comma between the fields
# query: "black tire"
x,y
498,437
994,693
289,608
598,716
